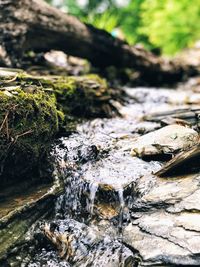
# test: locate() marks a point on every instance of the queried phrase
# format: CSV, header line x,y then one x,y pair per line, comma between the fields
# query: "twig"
x,y
7,130
22,134
5,118
11,80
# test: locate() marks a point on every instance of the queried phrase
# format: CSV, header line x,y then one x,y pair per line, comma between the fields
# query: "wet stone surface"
x,y
81,245
165,141
115,211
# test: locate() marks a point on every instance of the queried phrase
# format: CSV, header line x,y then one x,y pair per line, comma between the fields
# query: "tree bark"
x,y
34,25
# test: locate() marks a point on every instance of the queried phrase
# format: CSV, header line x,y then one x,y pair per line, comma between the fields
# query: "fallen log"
x,y
33,25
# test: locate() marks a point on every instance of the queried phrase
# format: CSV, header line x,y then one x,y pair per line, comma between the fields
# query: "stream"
x,y
109,206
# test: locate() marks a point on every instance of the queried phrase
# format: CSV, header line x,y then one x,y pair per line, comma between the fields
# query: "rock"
x,y
28,123
8,74
86,96
92,179
20,208
165,239
82,245
122,212
155,193
165,141
165,229
48,259
33,109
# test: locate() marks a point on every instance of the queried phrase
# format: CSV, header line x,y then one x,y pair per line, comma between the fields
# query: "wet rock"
x,y
155,193
93,179
48,258
19,211
82,245
165,228
187,115
163,238
115,210
88,153
167,140
173,97
106,211
71,238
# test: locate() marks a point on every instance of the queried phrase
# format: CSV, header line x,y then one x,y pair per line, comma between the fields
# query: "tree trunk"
x,y
34,25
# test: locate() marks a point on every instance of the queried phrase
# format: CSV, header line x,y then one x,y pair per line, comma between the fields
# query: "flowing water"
x,y
100,180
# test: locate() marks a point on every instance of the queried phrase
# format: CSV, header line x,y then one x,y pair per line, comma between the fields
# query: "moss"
x,y
83,96
28,122
34,108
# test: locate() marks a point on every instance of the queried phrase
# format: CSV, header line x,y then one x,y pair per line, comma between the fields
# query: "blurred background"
x,y
162,26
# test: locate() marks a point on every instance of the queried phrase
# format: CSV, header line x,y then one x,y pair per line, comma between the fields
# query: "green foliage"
x,y
169,25
131,23
108,21
73,8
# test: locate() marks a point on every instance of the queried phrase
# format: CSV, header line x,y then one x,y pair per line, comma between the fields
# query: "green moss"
x,y
28,122
83,96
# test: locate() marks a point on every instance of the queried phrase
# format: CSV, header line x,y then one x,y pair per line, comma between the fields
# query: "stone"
x,y
83,245
165,227
163,238
167,140
20,208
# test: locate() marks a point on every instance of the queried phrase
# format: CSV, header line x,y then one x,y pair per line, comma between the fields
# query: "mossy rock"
x,y
85,96
34,108
28,122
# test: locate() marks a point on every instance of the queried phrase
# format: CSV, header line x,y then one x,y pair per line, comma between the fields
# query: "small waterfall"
x,y
120,225
98,174
121,212
93,187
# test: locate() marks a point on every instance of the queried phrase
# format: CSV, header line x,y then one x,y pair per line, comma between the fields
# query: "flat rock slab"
x,y
169,139
163,238
166,228
185,115
155,193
